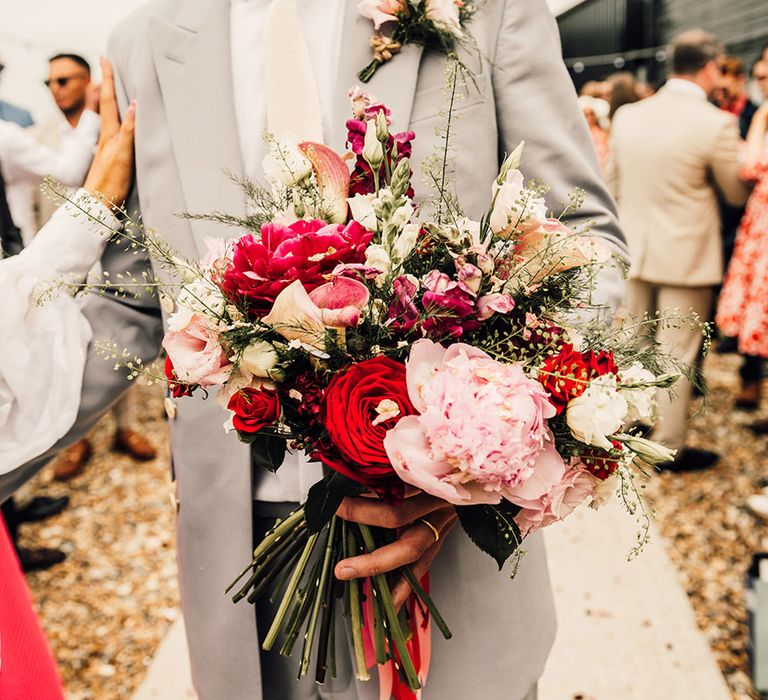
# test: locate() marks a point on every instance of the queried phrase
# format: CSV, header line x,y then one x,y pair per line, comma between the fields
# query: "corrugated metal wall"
x,y
741,24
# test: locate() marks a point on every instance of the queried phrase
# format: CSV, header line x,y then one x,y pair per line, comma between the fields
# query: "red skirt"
x,y
27,668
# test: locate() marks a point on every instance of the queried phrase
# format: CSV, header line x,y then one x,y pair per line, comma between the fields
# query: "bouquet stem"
x,y
355,611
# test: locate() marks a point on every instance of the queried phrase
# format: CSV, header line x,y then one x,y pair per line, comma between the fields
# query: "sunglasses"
x,y
62,82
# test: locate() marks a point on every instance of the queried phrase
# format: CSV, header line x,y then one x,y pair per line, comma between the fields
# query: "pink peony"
x,y
307,251
481,434
195,350
576,486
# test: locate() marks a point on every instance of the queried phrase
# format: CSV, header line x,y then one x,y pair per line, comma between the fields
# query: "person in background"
x,y
67,245
670,156
732,97
623,91
595,111
69,81
644,90
743,307
12,113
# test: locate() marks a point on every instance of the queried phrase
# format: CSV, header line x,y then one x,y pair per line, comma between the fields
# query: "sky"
x,y
33,30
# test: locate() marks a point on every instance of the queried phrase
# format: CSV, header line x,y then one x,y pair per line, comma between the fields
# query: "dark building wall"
x,y
741,24
603,27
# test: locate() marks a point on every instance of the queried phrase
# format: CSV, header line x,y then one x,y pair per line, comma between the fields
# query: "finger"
x,y
110,115
128,127
391,515
408,548
402,589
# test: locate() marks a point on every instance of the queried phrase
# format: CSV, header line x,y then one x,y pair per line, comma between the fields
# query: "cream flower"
x,y
598,413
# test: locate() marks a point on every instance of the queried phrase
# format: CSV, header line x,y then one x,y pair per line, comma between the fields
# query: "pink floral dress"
x,y
743,307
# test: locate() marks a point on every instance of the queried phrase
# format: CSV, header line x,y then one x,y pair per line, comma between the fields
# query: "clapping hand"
x,y
417,545
112,168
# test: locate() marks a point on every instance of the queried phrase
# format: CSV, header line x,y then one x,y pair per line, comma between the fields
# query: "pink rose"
x,y
481,434
195,350
495,303
575,488
307,251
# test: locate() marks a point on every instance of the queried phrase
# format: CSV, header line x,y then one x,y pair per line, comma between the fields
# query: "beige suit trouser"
x,y
678,339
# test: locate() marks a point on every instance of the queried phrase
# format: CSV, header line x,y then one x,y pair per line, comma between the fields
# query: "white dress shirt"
x,y
686,87
320,21
25,163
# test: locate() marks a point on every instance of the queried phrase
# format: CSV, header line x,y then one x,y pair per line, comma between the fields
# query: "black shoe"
x,y
759,427
39,559
40,508
690,459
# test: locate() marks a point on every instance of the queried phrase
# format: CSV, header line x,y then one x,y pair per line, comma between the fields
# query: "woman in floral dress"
x,y
743,307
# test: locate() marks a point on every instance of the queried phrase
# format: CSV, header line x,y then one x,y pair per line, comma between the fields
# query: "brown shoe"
x,y
134,444
748,399
72,461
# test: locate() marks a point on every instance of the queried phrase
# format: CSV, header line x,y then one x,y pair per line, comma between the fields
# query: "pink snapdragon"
x,y
481,433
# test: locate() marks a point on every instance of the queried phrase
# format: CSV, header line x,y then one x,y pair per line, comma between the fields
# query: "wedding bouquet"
x,y
407,348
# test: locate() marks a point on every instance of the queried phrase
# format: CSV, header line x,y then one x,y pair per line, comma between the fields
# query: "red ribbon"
x,y
419,646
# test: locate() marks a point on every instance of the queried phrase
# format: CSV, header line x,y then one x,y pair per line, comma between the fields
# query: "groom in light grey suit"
x,y
194,119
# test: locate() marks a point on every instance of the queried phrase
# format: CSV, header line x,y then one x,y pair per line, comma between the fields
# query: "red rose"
x,y
349,410
566,375
306,250
254,408
176,387
601,463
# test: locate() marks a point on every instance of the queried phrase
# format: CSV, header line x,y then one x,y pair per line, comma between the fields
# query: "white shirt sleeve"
x,y
24,159
43,343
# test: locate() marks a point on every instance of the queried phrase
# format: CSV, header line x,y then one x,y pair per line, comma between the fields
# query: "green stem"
x,y
299,612
368,72
274,630
291,552
327,616
389,610
355,610
425,598
319,594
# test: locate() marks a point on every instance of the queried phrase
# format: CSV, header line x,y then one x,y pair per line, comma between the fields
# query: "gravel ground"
x,y
107,608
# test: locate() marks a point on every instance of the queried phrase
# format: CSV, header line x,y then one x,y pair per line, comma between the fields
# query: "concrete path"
x,y
626,629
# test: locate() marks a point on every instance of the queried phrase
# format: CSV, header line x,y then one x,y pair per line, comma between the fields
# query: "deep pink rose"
x,y
449,306
306,251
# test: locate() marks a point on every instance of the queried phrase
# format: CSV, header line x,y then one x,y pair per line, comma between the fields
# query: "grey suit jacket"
x,y
174,59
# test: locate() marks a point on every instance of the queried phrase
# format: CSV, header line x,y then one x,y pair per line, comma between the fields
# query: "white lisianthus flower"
x,y
641,400
285,164
377,256
604,491
513,202
179,320
444,14
648,450
259,358
373,151
598,413
361,206
406,241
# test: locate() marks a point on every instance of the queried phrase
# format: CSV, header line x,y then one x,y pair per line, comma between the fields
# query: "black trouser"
x,y
751,369
11,518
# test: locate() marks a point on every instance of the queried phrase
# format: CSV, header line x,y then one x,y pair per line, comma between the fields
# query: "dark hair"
x,y
72,57
623,90
692,50
733,65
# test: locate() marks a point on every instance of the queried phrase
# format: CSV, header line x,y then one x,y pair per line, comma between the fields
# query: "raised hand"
x,y
112,168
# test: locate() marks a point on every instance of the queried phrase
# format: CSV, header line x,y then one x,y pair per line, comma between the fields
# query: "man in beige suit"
x,y
671,154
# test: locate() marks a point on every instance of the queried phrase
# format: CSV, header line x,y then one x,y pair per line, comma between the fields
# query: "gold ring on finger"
x,y
435,531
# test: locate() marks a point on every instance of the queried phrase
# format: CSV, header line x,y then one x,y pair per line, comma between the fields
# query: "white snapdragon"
x,y
598,413
285,164
641,398
513,202
406,241
363,211
402,215
378,257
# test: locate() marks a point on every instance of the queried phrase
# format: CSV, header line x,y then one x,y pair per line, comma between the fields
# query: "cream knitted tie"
x,y
293,105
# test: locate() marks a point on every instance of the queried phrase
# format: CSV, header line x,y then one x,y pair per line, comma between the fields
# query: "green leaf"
x,y
492,528
267,452
325,497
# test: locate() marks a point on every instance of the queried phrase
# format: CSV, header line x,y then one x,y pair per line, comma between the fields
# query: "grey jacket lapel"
x,y
394,82
195,74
